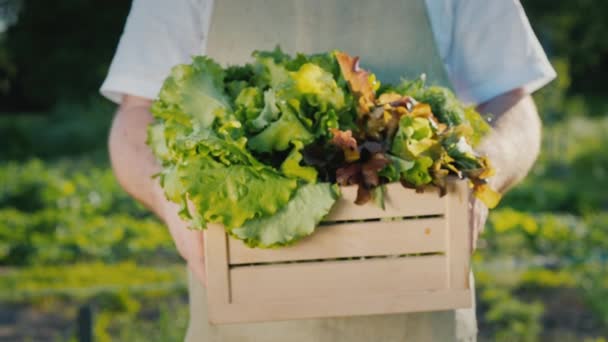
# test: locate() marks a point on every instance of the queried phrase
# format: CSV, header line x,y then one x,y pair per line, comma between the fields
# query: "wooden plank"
x,y
352,240
399,202
216,266
364,304
275,283
459,243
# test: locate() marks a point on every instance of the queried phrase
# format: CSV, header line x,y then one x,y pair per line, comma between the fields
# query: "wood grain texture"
x,y
399,202
368,304
352,240
459,244
216,266
269,283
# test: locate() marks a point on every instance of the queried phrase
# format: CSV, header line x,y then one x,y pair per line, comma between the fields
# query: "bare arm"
x,y
134,165
132,161
514,143
512,146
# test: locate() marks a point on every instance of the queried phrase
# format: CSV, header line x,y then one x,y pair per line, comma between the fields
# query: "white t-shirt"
x,y
488,47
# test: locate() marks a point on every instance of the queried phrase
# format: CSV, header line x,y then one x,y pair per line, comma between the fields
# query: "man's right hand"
x,y
134,165
189,243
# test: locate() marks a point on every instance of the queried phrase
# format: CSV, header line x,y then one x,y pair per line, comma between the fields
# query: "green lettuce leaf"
x,y
270,70
461,151
278,135
394,171
419,174
225,183
206,144
157,142
313,80
297,219
276,55
248,103
414,136
197,90
444,104
480,127
378,196
326,60
291,166
269,113
232,195
174,187
325,121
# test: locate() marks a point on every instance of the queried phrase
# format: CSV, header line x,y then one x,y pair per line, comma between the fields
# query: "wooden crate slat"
x,y
364,304
460,235
352,240
399,202
216,266
267,283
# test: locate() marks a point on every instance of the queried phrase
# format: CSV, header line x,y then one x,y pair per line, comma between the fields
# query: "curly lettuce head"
x,y
195,91
208,129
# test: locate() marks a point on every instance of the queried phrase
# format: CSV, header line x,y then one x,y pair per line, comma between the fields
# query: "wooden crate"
x,y
346,268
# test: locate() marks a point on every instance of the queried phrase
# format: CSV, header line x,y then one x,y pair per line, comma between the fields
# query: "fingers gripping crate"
x,y
412,256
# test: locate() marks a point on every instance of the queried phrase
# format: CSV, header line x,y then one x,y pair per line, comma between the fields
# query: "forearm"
x,y
132,160
514,143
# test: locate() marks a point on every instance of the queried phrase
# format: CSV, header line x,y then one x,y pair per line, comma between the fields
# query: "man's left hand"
x,y
478,215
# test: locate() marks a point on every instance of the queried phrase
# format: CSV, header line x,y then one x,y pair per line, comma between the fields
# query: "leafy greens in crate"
x,y
261,148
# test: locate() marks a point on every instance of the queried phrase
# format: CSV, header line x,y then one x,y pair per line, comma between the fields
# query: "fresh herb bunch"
x,y
261,148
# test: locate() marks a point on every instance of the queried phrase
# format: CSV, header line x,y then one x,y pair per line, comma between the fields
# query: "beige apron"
x,y
394,39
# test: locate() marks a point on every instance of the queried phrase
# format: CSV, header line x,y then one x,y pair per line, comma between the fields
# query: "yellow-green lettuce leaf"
x,y
297,219
291,165
237,193
279,134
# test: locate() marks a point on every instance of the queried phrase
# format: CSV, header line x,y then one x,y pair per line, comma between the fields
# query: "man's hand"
x,y
134,165
512,147
478,215
189,243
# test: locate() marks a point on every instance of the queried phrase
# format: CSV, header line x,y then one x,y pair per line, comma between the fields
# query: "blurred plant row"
x,y
542,267
70,236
